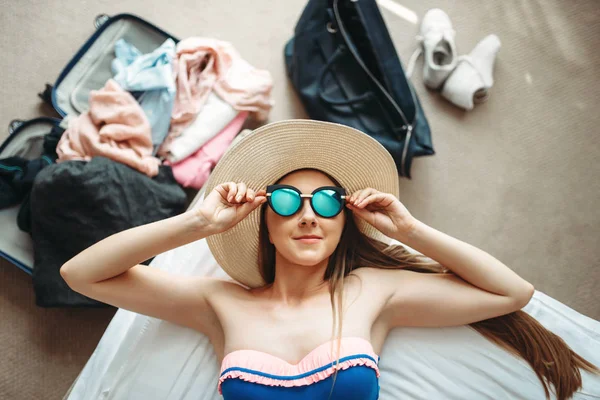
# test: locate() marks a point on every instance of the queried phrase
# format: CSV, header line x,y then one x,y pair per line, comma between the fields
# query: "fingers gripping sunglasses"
x,y
286,200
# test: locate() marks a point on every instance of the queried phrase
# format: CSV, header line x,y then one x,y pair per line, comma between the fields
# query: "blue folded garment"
x,y
151,74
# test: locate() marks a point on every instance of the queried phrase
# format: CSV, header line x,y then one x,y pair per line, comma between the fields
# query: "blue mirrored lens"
x,y
285,201
328,203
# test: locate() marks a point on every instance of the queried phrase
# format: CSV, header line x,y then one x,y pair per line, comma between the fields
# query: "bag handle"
x,y
357,99
408,126
346,37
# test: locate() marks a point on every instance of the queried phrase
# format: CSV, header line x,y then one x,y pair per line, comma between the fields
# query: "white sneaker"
x,y
473,77
437,39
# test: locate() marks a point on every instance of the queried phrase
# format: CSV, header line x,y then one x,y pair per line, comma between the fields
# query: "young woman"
x,y
300,214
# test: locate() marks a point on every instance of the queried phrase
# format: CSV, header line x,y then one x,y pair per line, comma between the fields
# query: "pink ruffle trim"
x,y
265,363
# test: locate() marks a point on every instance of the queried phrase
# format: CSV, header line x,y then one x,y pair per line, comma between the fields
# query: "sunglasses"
x,y
286,200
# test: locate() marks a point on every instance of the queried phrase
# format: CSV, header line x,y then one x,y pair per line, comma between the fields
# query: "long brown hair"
x,y
549,356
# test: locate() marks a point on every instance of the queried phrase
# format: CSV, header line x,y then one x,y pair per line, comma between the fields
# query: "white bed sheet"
x,y
145,358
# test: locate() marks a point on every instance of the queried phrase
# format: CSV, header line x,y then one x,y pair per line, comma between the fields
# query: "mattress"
x,y
140,357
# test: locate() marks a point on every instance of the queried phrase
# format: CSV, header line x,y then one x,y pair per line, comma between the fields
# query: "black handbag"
x,y
344,66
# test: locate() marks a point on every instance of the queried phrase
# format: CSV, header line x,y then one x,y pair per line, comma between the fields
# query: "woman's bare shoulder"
x,y
227,287
366,272
368,280
367,295
372,280
373,273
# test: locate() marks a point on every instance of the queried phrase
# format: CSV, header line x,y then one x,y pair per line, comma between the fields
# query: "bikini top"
x,y
252,374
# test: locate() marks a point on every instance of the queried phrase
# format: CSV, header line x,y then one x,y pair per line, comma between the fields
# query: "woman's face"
x,y
283,231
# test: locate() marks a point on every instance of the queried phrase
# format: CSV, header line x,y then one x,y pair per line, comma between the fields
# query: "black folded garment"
x,y
75,204
17,173
13,175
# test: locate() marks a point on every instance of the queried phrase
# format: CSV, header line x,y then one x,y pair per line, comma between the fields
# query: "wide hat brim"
x,y
263,156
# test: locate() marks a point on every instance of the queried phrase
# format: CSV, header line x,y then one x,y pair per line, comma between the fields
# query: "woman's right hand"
x,y
229,203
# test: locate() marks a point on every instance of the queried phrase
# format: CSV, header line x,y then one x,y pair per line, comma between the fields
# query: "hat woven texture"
x,y
260,158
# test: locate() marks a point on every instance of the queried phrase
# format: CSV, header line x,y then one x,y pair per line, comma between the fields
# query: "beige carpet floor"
x,y
517,177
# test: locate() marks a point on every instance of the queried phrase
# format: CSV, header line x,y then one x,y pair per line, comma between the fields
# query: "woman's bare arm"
x,y
472,264
481,287
110,271
119,252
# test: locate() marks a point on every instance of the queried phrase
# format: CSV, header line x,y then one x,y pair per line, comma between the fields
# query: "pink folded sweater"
x,y
114,127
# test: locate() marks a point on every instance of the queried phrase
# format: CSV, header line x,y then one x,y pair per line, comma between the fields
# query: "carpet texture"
x,y
515,177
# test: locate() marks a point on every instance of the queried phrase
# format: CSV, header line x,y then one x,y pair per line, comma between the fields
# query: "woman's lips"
x,y
308,240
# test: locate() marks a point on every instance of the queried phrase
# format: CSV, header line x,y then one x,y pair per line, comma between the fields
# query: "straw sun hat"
x,y
353,158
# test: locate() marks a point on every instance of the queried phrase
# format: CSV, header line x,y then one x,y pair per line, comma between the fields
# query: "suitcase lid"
x,y
90,67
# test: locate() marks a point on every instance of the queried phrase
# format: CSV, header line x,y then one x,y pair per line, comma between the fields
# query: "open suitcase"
x,y
89,69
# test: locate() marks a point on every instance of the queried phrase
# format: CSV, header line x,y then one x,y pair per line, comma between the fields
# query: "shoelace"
x,y
414,57
416,54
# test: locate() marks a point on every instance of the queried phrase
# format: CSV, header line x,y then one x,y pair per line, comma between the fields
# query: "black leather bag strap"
x,y
350,45
408,125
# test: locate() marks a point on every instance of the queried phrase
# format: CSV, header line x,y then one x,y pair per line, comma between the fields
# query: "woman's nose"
x,y
307,214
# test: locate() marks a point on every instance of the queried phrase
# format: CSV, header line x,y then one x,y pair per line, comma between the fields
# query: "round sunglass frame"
x,y
340,191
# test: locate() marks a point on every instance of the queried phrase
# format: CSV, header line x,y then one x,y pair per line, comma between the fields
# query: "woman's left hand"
x,y
382,210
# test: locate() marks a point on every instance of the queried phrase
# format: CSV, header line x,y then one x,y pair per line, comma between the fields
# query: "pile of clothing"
x,y
180,105
161,123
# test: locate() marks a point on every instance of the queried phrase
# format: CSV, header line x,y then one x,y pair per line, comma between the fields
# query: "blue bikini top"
x,y
254,375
